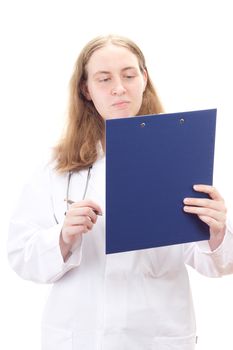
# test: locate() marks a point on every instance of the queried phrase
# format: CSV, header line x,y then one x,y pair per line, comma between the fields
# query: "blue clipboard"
x,y
152,162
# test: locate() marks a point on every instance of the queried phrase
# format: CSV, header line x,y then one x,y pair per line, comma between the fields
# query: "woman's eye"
x,y
104,80
129,76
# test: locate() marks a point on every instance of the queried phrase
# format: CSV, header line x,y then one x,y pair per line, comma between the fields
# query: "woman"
x,y
134,300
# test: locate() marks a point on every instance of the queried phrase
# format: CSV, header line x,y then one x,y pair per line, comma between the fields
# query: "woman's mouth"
x,y
120,104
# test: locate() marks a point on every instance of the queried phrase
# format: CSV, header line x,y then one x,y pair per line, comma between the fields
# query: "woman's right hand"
x,y
79,219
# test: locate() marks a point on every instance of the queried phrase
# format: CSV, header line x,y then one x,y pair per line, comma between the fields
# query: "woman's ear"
x,y
145,78
85,92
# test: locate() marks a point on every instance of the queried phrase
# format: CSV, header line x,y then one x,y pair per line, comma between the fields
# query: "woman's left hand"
x,y
211,210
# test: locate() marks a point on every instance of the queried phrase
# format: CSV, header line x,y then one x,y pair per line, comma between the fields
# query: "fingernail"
x,y
97,212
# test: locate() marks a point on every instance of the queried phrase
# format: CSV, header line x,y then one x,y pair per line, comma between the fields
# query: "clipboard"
x,y
152,162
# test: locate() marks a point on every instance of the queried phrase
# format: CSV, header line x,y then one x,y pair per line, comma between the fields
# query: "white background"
x,y
188,49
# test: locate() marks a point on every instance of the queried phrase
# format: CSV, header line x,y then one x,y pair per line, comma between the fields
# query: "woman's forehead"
x,y
111,57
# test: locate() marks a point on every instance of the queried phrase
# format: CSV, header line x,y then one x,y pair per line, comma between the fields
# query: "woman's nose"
x,y
118,89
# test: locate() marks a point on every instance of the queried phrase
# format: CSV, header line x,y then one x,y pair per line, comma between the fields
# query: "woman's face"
x,y
115,83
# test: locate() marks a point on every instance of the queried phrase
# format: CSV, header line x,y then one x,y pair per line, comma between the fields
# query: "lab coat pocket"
x,y
156,262
174,343
56,338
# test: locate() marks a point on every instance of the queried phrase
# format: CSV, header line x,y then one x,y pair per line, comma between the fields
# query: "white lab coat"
x,y
137,300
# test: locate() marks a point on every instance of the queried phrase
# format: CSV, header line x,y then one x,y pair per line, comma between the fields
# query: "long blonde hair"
x,y
85,128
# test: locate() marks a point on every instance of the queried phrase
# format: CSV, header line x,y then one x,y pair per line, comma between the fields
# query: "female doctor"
x,y
137,300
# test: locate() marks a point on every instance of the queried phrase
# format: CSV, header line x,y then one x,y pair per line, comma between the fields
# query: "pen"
x,y
69,201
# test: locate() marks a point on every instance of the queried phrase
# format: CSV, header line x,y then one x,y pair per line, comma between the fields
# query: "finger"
x,y
205,202
71,231
79,220
216,215
215,226
87,203
210,190
82,211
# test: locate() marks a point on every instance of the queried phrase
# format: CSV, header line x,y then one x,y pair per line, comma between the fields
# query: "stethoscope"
x,y
67,199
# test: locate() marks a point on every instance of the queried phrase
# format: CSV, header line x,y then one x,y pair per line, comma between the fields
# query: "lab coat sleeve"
x,y
215,263
33,241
